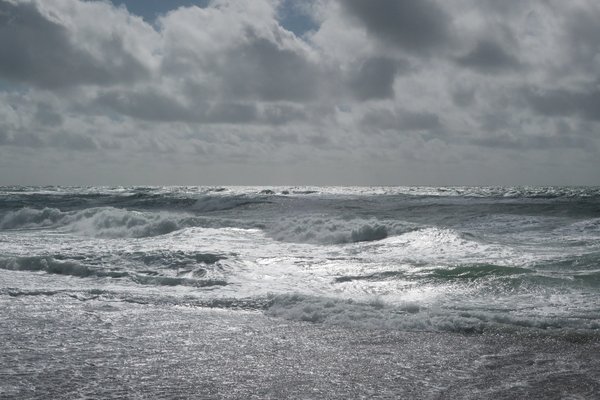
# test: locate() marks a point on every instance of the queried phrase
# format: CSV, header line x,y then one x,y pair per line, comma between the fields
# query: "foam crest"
x,y
29,218
445,245
97,222
112,222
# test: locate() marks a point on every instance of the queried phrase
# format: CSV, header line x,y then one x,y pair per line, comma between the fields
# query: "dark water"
x,y
503,266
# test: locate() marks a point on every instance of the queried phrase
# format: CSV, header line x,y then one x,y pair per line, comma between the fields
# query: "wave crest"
x,y
27,218
98,222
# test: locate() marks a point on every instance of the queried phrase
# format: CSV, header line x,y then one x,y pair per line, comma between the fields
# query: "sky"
x,y
315,92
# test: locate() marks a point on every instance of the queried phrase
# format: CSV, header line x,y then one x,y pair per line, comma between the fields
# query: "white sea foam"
x,y
440,246
433,258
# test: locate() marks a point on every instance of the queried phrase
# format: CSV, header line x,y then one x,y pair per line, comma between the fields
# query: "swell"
x,y
329,229
248,304
461,273
70,199
299,217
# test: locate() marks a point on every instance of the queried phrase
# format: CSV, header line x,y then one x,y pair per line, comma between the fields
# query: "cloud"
x,y
563,102
414,26
400,120
369,88
262,69
581,32
147,104
39,49
60,140
374,79
46,115
489,57
26,139
150,105
535,142
463,96
222,51
217,64
73,142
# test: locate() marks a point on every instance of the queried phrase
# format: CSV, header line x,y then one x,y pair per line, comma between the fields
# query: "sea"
x,y
299,292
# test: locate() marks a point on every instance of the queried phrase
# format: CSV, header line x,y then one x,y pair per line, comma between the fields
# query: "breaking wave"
x,y
29,218
97,222
443,246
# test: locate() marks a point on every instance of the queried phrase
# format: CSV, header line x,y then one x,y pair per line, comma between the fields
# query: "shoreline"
x,y
62,347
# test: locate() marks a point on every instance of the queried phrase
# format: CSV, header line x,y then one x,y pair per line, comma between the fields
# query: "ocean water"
x,y
521,264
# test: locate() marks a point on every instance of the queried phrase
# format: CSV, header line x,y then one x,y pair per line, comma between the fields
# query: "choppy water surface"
x,y
516,261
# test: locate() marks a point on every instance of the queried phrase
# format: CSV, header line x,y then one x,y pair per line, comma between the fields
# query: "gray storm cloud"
x,y
488,56
417,26
39,50
228,93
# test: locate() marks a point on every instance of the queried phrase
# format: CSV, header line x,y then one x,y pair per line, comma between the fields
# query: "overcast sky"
x,y
394,92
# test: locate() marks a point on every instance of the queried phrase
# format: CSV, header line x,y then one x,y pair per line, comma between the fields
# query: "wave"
x,y
376,314
433,244
137,198
222,203
214,199
331,230
373,314
13,292
459,273
174,259
112,222
51,265
28,218
587,226
97,222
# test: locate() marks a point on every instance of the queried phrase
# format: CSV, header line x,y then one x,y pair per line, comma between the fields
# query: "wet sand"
x,y
56,346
